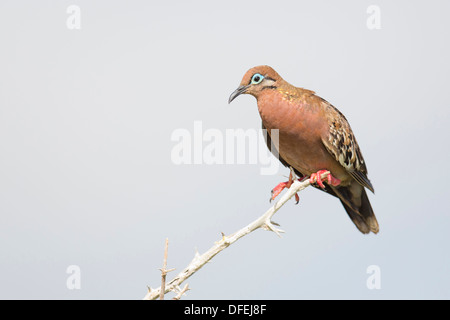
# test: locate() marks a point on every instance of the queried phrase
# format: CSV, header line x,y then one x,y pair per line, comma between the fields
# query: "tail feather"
x,y
367,212
358,208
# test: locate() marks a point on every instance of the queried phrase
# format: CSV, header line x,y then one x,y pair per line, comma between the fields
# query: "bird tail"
x,y
358,209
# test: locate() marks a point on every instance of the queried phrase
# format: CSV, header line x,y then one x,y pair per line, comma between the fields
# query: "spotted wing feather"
x,y
341,143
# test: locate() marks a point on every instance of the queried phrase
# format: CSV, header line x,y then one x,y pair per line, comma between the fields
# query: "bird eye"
x,y
257,78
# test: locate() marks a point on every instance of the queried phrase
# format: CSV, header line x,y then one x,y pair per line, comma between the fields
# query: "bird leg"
x,y
281,186
316,178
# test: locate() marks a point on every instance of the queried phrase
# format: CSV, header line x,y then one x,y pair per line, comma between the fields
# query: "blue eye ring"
x,y
257,78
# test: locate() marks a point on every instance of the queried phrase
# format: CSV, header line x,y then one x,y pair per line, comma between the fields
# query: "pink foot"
x,y
281,186
316,178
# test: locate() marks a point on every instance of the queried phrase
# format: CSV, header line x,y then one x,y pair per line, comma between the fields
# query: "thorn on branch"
x,y
223,240
180,292
270,226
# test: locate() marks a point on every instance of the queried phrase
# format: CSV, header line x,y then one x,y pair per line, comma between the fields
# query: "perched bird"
x,y
313,137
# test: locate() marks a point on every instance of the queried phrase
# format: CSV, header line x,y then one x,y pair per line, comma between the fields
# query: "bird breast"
x,y
300,122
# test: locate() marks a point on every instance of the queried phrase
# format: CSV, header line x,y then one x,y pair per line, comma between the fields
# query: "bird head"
x,y
257,80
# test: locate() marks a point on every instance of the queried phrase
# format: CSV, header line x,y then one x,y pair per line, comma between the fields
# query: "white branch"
x,y
199,261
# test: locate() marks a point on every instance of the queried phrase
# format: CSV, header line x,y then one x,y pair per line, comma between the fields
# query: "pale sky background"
x,y
87,179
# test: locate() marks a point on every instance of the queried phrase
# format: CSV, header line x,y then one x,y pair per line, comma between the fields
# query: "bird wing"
x,y
341,143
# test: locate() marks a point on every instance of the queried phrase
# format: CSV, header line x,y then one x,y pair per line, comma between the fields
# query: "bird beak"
x,y
237,92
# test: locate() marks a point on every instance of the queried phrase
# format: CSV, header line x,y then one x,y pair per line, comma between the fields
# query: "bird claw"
x,y
316,178
282,185
277,190
297,198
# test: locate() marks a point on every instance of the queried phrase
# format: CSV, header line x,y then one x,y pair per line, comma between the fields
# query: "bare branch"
x,y
265,222
164,271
